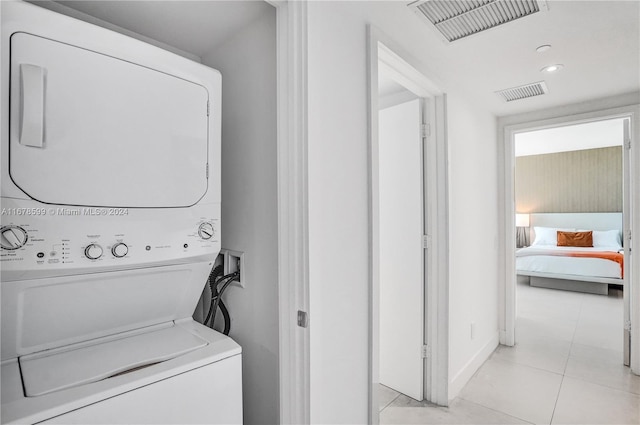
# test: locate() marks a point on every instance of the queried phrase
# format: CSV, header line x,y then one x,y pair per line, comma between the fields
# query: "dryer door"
x,y
91,130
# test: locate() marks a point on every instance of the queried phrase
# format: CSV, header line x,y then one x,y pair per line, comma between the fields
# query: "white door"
x,y
82,121
401,251
627,214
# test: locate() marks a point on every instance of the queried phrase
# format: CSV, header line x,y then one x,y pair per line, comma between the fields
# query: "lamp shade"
x,y
522,220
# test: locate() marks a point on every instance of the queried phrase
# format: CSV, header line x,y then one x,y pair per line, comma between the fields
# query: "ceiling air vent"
x,y
457,19
522,92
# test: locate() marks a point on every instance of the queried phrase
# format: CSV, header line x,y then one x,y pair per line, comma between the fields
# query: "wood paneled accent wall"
x,y
578,181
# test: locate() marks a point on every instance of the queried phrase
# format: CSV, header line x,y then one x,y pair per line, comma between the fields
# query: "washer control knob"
x,y
206,230
119,250
93,251
13,237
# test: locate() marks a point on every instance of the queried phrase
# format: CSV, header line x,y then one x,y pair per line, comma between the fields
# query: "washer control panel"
x,y
58,243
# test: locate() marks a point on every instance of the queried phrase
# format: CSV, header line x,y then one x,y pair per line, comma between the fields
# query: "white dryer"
x,y
110,225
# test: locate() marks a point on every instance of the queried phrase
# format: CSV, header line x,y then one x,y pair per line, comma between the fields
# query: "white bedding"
x,y
549,259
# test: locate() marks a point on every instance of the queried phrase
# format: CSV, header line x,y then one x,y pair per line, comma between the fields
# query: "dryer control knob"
x,y
13,237
93,251
206,230
119,250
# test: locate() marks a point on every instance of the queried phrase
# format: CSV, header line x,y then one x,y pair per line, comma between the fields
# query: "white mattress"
x,y
533,259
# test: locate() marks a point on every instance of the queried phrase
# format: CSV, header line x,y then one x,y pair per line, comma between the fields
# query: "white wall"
x,y
249,206
395,99
338,202
473,246
338,205
65,10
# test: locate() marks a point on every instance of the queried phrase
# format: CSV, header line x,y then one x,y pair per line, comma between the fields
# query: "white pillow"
x,y
607,238
547,235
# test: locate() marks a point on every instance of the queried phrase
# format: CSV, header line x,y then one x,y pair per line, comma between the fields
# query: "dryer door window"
x,y
91,130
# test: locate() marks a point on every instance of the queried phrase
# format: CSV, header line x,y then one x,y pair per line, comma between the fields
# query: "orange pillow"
x,y
583,239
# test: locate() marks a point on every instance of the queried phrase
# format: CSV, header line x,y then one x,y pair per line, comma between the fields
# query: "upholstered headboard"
x,y
582,221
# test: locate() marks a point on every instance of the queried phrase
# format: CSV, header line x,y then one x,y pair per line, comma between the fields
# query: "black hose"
x,y
227,318
227,281
213,276
216,299
224,286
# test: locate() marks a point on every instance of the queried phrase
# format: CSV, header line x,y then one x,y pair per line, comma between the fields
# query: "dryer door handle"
x,y
32,119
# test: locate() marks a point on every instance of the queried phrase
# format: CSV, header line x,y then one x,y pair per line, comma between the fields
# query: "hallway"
x,y
565,369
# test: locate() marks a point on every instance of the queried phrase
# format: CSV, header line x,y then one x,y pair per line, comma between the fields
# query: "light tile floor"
x,y
566,368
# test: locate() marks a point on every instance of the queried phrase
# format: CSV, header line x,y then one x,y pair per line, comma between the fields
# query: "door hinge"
x,y
426,241
207,171
627,325
426,351
303,319
208,108
627,144
426,130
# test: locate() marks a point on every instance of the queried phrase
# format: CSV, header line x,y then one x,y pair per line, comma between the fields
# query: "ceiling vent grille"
x,y
457,19
523,92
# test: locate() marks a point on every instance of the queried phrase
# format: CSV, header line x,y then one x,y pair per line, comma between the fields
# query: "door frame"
x,y
382,50
507,299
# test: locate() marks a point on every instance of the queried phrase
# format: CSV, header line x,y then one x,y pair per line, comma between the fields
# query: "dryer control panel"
x,y
46,240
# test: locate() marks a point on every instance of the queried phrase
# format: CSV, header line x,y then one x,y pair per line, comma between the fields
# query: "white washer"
x,y
110,224
199,383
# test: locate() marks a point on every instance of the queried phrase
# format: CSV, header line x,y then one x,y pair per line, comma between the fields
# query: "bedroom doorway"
x,y
611,233
408,346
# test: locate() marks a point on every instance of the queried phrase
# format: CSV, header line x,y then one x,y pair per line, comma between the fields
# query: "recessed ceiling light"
x,y
543,48
552,68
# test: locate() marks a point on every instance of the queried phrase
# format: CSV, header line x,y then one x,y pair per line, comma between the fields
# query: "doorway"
x,y
569,179
629,117
408,257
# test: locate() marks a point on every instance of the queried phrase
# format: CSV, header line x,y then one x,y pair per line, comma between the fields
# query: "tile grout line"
x,y
564,371
556,403
389,404
540,369
495,410
609,387
573,337
529,366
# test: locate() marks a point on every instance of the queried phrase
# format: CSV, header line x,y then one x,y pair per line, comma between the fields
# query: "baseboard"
x,y
458,382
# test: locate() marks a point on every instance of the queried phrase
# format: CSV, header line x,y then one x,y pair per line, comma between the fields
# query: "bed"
x,y
573,268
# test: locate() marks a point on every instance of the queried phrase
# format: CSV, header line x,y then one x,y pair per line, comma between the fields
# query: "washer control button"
x,y
13,237
206,230
93,251
119,250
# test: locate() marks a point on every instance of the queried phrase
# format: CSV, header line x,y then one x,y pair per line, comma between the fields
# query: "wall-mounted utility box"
x,y
234,261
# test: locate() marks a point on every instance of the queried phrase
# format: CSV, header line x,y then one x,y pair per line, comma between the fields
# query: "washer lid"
x,y
89,129
45,373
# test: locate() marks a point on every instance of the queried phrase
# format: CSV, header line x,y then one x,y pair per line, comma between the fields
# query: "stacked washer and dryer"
x,y
110,222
